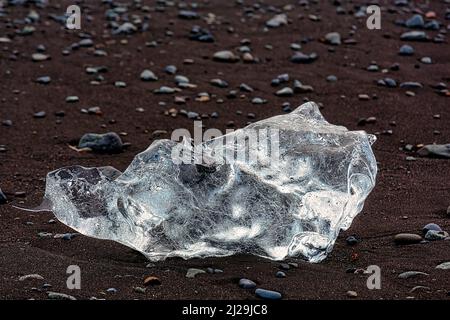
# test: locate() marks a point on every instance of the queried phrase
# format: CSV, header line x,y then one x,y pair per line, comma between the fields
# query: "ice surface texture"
x,y
294,206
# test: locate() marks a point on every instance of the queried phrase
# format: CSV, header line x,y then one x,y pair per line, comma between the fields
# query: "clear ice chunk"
x,y
294,206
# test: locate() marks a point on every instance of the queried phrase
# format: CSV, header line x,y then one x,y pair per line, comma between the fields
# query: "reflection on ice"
x,y
295,206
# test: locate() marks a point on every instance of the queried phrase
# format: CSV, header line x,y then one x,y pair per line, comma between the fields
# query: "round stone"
x,y
407,238
247,284
431,226
267,294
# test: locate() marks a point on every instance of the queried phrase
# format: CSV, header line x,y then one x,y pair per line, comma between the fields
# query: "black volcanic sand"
x,y
408,194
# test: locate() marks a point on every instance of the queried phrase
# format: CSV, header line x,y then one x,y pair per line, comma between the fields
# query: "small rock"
x,y
300,57
219,83
444,266
332,78
170,69
38,57
39,115
280,274
411,274
431,226
148,75
139,289
426,60
247,284
152,280
44,234
416,21
363,97
44,80
258,100
72,99
333,38
188,15
164,90
433,235
111,290
225,56
103,143
407,238
192,272
267,294
435,151
406,50
59,296
352,294
33,276
351,240
120,84
414,36
3,198
285,92
277,21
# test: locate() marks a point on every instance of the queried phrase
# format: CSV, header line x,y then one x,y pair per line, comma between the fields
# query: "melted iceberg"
x,y
294,205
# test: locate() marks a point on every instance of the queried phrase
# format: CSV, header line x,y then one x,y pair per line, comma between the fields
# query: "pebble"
x,y
426,60
170,69
351,240
352,294
192,272
448,211
139,289
247,284
300,57
188,15
102,143
444,266
120,84
152,280
257,100
125,28
363,97
59,296
431,226
411,85
72,99
219,83
225,56
164,90
433,235
407,238
411,274
406,50
39,115
277,21
267,294
416,21
284,266
43,80
38,57
435,150
414,36
3,198
45,234
285,92
333,38
33,276
280,274
245,87
332,78
148,75
111,290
